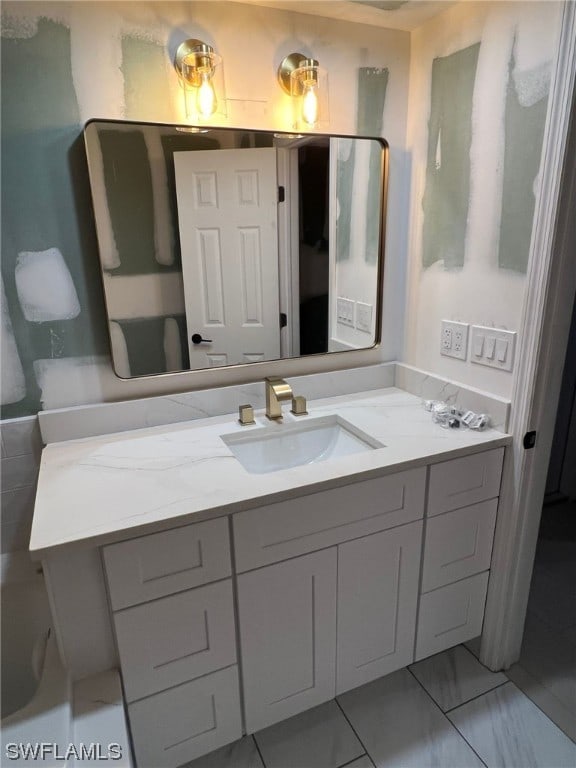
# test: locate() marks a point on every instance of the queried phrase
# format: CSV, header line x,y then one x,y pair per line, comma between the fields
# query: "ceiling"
x,y
392,14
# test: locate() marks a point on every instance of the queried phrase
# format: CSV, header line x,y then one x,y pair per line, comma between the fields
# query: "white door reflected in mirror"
x,y
227,214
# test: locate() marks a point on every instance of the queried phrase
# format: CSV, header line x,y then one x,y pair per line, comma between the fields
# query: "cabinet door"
x,y
377,602
287,616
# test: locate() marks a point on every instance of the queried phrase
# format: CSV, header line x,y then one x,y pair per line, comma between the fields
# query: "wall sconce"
x,y
201,76
307,84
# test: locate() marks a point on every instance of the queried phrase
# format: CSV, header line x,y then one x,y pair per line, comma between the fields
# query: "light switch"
x,y
501,350
493,347
490,345
478,345
364,317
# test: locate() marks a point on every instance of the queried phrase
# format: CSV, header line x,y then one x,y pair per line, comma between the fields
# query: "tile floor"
x,y
447,711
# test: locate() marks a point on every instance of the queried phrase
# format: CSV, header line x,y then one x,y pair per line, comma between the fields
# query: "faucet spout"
x,y
277,390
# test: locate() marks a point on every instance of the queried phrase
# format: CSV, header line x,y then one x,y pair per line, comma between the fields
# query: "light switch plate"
x,y
493,347
454,339
345,311
363,316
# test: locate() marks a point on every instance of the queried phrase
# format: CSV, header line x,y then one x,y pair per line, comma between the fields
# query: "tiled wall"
x,y
21,447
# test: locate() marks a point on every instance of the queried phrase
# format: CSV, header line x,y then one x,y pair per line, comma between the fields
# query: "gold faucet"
x,y
277,390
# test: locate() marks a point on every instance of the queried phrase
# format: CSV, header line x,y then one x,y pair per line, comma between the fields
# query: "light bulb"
x,y
310,104
206,98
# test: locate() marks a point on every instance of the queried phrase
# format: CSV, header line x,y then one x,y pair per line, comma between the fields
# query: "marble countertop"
x,y
97,490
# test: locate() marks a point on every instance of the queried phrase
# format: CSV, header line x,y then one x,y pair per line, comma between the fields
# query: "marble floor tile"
x,y
361,762
549,656
400,725
454,677
556,710
239,754
508,730
318,738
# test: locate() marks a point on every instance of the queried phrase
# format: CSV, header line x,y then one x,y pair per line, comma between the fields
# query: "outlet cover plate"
x,y
454,339
493,347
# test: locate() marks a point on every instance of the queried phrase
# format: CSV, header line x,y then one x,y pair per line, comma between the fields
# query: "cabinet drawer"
x,y
176,726
176,638
451,615
378,579
163,563
460,482
279,531
458,544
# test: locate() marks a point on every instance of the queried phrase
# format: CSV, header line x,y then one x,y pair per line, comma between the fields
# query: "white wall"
x,y
481,292
252,41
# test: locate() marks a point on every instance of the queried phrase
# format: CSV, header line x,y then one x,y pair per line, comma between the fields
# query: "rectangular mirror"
x,y
225,247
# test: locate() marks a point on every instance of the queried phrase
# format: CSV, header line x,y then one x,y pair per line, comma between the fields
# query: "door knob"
x,y
197,339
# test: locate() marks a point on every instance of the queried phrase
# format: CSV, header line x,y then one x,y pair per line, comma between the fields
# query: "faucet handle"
x,y
246,415
299,406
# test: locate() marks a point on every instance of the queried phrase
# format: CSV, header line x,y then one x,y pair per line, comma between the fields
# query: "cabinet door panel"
x,y
451,615
377,602
176,638
287,616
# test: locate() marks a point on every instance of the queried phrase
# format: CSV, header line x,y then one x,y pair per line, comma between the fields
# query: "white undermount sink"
x,y
281,446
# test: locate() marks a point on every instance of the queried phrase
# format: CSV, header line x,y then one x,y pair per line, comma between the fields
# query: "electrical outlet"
x,y
364,317
345,311
493,347
454,339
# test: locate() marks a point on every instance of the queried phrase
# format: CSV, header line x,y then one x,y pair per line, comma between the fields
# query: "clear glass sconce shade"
x,y
202,80
309,91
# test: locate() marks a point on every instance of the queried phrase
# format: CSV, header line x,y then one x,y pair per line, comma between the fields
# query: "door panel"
x,y
288,637
377,602
227,212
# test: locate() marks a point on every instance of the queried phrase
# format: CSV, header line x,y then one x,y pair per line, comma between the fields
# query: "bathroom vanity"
x,y
239,597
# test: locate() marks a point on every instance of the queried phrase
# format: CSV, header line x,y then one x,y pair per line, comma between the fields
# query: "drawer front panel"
x,y
451,615
279,531
176,638
458,544
163,563
461,482
377,600
183,723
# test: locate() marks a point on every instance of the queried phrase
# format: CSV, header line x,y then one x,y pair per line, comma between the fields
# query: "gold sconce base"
x,y
288,65
202,55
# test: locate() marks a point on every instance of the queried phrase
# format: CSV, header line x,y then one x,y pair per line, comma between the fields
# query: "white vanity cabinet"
x,y
328,591
317,624
457,550
173,614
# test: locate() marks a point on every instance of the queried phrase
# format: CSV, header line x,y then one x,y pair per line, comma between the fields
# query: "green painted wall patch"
x,y
447,193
